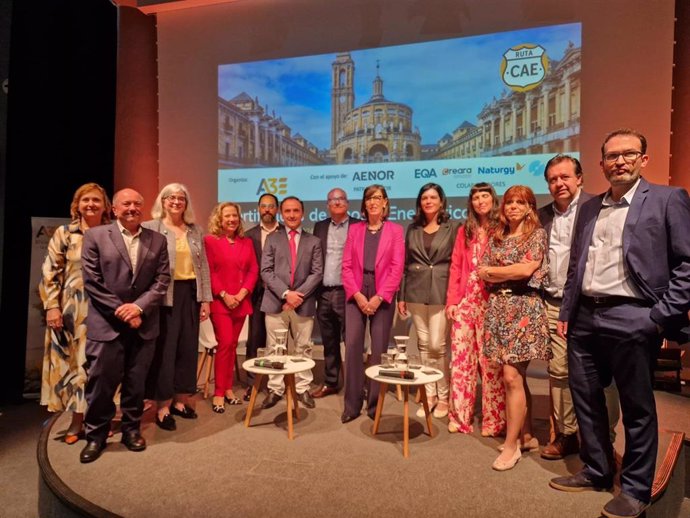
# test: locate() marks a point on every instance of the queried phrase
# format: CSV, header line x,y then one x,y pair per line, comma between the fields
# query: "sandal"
x,y
219,409
233,401
71,438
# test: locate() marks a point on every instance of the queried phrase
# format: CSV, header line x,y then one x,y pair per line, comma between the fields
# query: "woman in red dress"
x,y
234,272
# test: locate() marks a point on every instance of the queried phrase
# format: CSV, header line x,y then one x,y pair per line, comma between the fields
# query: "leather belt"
x,y
610,300
333,288
522,290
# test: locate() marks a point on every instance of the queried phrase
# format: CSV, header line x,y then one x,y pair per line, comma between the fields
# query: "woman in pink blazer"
x,y
234,272
373,261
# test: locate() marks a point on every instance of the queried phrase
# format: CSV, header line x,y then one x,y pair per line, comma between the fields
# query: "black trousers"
x,y
619,342
330,313
124,360
256,336
173,369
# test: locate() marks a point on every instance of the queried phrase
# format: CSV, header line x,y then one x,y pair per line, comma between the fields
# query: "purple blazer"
x,y
390,260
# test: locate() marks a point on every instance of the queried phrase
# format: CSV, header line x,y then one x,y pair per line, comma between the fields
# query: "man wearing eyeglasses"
x,y
268,224
330,310
628,287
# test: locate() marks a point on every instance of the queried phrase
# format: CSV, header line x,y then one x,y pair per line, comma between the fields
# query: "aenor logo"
x,y
373,176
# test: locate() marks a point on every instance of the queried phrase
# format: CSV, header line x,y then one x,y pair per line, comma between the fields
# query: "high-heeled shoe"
x,y
505,465
71,438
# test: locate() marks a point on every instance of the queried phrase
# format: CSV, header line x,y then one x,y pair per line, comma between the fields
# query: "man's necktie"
x,y
293,256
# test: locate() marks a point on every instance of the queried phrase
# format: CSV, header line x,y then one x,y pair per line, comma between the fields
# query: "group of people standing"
x,y
504,288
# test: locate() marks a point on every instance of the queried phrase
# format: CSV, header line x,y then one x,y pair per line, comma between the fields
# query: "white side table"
x,y
421,379
292,367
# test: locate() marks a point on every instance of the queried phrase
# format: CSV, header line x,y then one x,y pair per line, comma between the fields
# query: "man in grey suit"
x,y
268,208
291,269
330,310
628,287
126,275
563,174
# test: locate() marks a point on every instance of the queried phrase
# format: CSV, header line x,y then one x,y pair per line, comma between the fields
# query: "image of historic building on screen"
x,y
545,119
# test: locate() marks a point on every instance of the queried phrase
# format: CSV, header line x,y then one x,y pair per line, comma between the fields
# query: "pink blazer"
x,y
460,269
390,260
232,268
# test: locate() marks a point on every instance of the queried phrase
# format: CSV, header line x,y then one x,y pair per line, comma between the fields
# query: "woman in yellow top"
x,y
65,304
172,376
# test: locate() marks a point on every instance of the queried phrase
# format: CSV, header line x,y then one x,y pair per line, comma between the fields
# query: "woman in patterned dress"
x,y
65,304
516,327
465,307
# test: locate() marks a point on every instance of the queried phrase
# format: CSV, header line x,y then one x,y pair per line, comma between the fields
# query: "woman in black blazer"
x,y
429,245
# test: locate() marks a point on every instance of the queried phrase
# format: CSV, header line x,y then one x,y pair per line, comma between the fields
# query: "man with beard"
x,y
628,287
268,208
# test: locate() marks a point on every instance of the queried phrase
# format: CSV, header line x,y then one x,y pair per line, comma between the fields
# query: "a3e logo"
x,y
272,186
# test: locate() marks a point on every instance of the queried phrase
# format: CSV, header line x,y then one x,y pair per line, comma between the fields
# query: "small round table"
x,y
293,365
420,380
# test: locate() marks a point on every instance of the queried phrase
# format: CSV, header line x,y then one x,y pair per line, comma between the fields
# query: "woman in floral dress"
x,y
465,307
65,304
516,327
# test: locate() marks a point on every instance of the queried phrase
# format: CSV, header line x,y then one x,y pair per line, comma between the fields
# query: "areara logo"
x,y
373,176
455,171
272,186
501,170
524,67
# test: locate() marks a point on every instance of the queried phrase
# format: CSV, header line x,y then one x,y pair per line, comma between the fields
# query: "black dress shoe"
x,y
624,506
186,413
578,482
347,418
133,441
306,399
91,452
247,394
271,400
167,423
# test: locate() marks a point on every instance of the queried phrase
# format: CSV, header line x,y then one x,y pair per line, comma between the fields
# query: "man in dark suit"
x,y
268,208
291,269
563,174
330,309
126,275
628,287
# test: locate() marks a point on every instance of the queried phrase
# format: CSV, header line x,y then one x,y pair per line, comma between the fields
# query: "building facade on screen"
x,y
377,131
250,136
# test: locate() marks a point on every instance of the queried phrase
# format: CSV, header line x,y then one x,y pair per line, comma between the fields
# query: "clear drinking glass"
x,y
387,360
401,358
281,342
262,352
414,361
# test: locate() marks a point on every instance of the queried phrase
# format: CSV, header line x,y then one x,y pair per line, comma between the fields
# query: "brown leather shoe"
x,y
562,446
324,391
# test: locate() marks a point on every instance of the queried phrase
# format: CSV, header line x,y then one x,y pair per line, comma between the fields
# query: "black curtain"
x,y
60,134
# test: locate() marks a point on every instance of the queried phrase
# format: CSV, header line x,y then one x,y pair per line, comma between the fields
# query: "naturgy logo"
x,y
501,170
272,186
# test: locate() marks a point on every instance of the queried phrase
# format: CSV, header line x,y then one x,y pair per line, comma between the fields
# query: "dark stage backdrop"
x,y
60,134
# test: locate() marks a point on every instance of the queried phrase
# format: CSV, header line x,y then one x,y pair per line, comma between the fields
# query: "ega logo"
x,y
272,186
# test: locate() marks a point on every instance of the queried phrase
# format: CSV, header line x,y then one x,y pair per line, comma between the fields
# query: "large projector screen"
x,y
492,108
295,97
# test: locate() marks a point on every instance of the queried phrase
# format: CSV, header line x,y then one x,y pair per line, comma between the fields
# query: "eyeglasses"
x,y
337,199
375,197
628,156
267,206
181,199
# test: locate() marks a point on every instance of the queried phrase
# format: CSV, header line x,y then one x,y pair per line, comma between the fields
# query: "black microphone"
x,y
268,364
406,375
